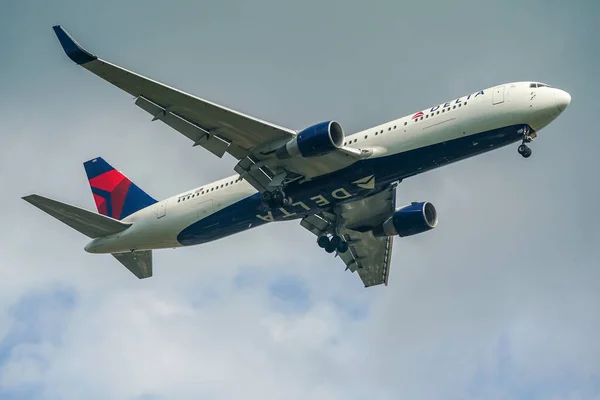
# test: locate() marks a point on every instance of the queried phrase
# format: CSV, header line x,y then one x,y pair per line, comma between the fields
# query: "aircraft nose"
x,y
562,99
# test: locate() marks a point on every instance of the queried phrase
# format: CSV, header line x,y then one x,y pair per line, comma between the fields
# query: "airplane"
x,y
341,188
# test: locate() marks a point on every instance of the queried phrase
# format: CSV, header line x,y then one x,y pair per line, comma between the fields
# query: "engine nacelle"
x,y
317,140
409,220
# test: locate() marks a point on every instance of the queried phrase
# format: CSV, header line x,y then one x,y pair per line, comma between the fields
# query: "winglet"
x,y
74,51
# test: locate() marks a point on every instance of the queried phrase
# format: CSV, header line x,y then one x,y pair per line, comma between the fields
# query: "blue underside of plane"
x,y
329,188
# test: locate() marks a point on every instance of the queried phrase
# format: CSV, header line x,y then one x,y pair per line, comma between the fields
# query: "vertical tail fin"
x,y
115,195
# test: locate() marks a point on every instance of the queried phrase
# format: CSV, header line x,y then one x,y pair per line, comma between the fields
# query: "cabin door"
x,y
498,95
161,211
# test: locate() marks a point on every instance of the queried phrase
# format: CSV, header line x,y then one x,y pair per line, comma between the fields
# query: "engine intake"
x,y
409,220
314,141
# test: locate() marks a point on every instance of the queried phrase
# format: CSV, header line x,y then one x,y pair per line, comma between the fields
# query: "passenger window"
x,y
405,123
460,104
365,136
465,103
453,107
427,116
394,126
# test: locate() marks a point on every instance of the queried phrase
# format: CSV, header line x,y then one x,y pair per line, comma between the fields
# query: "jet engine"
x,y
409,220
314,141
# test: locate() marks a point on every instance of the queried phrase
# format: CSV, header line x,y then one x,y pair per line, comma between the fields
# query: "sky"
x,y
500,301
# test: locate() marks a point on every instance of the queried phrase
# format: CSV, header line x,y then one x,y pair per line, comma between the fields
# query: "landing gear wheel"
x,y
278,198
335,241
275,199
524,150
267,196
267,199
342,247
323,241
330,248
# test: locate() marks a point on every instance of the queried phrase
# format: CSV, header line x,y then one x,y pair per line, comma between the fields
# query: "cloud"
x,y
499,301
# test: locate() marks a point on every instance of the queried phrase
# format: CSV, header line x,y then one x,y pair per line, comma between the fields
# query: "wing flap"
x,y
253,174
201,137
371,258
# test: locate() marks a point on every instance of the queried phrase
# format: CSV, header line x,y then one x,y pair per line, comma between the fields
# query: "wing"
x,y
200,120
216,128
367,255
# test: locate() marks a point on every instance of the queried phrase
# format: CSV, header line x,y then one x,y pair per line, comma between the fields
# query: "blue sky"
x,y
499,302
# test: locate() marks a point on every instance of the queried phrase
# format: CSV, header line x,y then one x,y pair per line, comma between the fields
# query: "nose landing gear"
x,y
528,136
524,150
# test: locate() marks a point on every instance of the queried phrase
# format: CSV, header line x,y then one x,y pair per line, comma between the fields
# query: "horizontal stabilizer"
x,y
138,262
87,222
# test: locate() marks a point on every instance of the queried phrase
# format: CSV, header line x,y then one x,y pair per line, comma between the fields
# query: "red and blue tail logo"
x,y
115,195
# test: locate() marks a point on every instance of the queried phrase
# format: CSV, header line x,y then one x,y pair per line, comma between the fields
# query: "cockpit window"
x,y
538,85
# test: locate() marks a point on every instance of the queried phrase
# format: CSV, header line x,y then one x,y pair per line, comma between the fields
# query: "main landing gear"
x,y
333,244
276,199
523,149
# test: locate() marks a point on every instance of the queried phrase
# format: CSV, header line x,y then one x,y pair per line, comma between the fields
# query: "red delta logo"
x,y
417,115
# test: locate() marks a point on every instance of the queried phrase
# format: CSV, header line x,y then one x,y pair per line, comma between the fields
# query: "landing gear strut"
x,y
275,199
523,149
333,244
